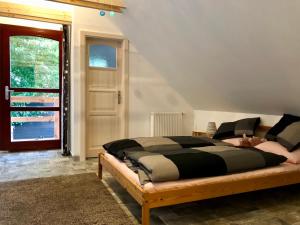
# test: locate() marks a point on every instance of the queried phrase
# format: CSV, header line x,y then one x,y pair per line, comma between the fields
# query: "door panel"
x,y
108,79
103,85
102,129
102,101
31,81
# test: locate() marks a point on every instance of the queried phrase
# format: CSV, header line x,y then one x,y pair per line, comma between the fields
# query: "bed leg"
x,y
145,215
100,169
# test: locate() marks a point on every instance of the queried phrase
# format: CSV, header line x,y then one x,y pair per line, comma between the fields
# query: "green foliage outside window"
x,y
34,64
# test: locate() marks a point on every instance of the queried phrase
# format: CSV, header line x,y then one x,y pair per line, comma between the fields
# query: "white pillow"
x,y
233,141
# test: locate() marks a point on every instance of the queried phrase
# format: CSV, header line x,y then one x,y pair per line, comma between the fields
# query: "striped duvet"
x,y
158,159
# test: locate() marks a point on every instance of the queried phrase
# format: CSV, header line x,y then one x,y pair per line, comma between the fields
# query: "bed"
x,y
154,195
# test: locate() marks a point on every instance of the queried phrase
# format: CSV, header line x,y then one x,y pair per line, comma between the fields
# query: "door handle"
x,y
7,93
119,97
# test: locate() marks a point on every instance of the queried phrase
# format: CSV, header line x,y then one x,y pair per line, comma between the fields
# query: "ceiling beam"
x,y
44,14
109,5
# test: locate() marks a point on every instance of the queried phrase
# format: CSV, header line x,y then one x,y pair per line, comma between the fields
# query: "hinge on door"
x,y
119,97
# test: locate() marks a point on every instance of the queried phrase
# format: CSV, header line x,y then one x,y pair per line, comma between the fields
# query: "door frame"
x,y
84,35
28,145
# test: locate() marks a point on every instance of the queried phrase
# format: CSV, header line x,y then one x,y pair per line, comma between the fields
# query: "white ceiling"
x,y
227,55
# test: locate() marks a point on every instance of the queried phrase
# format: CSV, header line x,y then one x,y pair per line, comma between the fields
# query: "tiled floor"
x,y
19,166
279,206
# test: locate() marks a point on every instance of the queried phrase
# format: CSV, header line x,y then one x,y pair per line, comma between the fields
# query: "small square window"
x,y
103,56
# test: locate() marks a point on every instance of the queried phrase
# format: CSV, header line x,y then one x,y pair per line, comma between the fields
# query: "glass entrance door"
x,y
32,88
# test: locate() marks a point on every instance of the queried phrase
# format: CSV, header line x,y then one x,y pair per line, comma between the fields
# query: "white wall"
x,y
149,91
202,118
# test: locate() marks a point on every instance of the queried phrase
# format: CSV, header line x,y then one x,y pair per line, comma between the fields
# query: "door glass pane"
x,y
103,56
34,99
34,125
34,62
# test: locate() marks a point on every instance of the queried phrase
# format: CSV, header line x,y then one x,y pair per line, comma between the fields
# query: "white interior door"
x,y
104,93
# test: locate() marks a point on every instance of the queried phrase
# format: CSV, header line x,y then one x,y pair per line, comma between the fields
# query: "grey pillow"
x,y
246,126
237,129
290,136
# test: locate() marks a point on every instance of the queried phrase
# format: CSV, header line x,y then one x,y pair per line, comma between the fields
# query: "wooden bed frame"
x,y
177,195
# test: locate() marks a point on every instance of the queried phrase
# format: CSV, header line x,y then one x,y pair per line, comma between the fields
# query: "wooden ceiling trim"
x,y
20,11
109,5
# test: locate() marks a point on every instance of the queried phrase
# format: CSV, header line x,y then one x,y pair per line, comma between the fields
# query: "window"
x,y
34,125
34,62
103,56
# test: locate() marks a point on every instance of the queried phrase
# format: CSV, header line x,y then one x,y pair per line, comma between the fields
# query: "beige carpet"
x,y
65,200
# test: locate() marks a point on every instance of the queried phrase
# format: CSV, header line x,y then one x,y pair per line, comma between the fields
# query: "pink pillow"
x,y
276,148
233,141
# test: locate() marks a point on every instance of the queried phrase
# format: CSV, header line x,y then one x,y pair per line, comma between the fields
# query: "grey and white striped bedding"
x,y
199,162
172,158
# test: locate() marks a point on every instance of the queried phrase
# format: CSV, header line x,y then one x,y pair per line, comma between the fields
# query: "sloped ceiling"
x,y
226,55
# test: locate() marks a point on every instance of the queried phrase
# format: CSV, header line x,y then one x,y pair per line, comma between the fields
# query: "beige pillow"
x,y
276,148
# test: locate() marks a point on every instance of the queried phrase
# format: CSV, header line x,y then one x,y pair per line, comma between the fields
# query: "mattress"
x,y
154,187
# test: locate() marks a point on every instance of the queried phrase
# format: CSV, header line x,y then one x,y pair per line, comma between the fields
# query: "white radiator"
x,y
166,124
